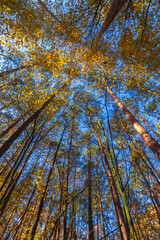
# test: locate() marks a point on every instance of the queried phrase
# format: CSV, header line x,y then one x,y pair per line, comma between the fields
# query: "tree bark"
x,y
5,131
10,161
113,12
143,120
149,140
119,212
25,145
24,212
7,105
60,208
6,145
15,181
2,74
41,204
65,234
121,191
90,215
100,202
142,155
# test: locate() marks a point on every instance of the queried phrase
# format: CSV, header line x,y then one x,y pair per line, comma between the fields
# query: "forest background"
x,y
79,118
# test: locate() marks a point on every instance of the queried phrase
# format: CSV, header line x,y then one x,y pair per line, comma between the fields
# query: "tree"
x,y
72,166
153,145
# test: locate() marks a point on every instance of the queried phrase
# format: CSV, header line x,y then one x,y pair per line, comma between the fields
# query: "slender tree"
x,y
40,207
149,140
2,74
120,217
113,12
5,146
90,215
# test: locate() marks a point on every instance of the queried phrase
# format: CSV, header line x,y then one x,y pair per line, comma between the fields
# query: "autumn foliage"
x,y
79,114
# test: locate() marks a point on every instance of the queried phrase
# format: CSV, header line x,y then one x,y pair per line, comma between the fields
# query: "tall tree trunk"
x,y
143,120
5,131
15,181
149,140
113,12
97,225
6,145
6,225
48,214
12,172
24,212
58,220
121,191
2,74
73,211
41,204
90,215
60,208
142,155
6,166
74,235
119,212
151,193
30,220
7,105
46,222
100,202
65,234
139,165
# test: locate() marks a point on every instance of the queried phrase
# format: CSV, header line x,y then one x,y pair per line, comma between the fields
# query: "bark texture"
x,y
5,131
41,204
15,181
90,217
6,145
149,140
2,74
113,12
119,212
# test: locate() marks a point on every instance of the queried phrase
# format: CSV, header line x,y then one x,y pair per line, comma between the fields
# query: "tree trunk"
x,y
90,215
151,193
6,200
7,105
97,226
121,191
11,173
142,155
10,161
2,74
113,12
5,131
58,220
65,234
145,122
60,208
74,235
119,212
24,212
41,204
149,140
100,202
6,145
6,226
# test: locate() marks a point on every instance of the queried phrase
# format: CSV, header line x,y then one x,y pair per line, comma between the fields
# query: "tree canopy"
x,y
80,120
